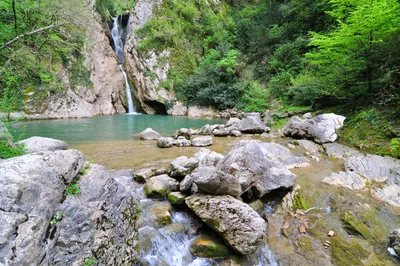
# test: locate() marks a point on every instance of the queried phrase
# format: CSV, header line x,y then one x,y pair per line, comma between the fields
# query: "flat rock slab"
x,y
375,167
37,144
350,180
237,223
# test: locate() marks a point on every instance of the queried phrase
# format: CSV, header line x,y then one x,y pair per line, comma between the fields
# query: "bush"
x,y
7,151
256,98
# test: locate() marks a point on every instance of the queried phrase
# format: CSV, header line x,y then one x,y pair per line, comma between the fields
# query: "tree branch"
x,y
31,33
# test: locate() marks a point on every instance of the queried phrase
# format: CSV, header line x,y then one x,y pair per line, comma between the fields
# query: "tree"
x,y
355,50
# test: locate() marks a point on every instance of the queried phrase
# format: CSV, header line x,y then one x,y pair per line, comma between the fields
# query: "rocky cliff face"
x,y
150,92
105,96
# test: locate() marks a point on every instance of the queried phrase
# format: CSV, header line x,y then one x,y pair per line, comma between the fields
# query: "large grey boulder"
x,y
203,141
348,179
88,221
37,144
31,187
182,166
209,180
149,134
165,142
237,223
273,178
375,167
252,125
246,162
322,128
160,186
207,157
394,241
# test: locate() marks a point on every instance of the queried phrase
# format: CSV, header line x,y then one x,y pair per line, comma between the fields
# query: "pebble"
x,y
302,229
300,212
286,225
331,233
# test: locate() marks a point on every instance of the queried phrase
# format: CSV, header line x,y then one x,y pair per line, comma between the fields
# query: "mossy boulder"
x,y
160,186
176,198
209,247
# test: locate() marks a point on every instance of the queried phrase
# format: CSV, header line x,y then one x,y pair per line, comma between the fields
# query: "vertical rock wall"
x,y
152,96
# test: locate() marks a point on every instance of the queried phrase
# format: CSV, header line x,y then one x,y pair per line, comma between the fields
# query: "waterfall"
x,y
117,35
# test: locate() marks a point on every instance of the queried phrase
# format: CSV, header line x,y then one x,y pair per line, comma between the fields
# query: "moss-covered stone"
x,y
305,244
209,247
163,216
355,226
176,198
299,202
257,205
344,254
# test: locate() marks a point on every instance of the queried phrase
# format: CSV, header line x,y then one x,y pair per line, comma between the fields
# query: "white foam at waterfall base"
x,y
173,249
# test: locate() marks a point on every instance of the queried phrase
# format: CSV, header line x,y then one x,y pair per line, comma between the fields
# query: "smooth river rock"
x,y
36,144
207,157
238,224
165,142
322,128
203,141
149,134
160,186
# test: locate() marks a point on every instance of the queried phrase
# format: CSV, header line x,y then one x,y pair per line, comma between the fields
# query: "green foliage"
x,y
36,63
57,218
255,98
90,262
107,8
7,151
72,189
395,146
349,60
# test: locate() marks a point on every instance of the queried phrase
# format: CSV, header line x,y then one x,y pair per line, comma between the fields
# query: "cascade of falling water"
x,y
117,36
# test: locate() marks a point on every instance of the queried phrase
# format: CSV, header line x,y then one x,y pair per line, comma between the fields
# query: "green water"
x,y
107,128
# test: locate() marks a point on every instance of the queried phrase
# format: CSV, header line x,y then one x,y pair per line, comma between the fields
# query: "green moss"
x,y
212,223
344,254
207,247
305,244
161,193
299,202
164,220
355,226
175,200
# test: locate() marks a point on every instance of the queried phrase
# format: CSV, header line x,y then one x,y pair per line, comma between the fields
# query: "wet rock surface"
x,y
238,224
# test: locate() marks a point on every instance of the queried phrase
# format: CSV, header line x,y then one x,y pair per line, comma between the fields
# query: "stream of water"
x,y
117,35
